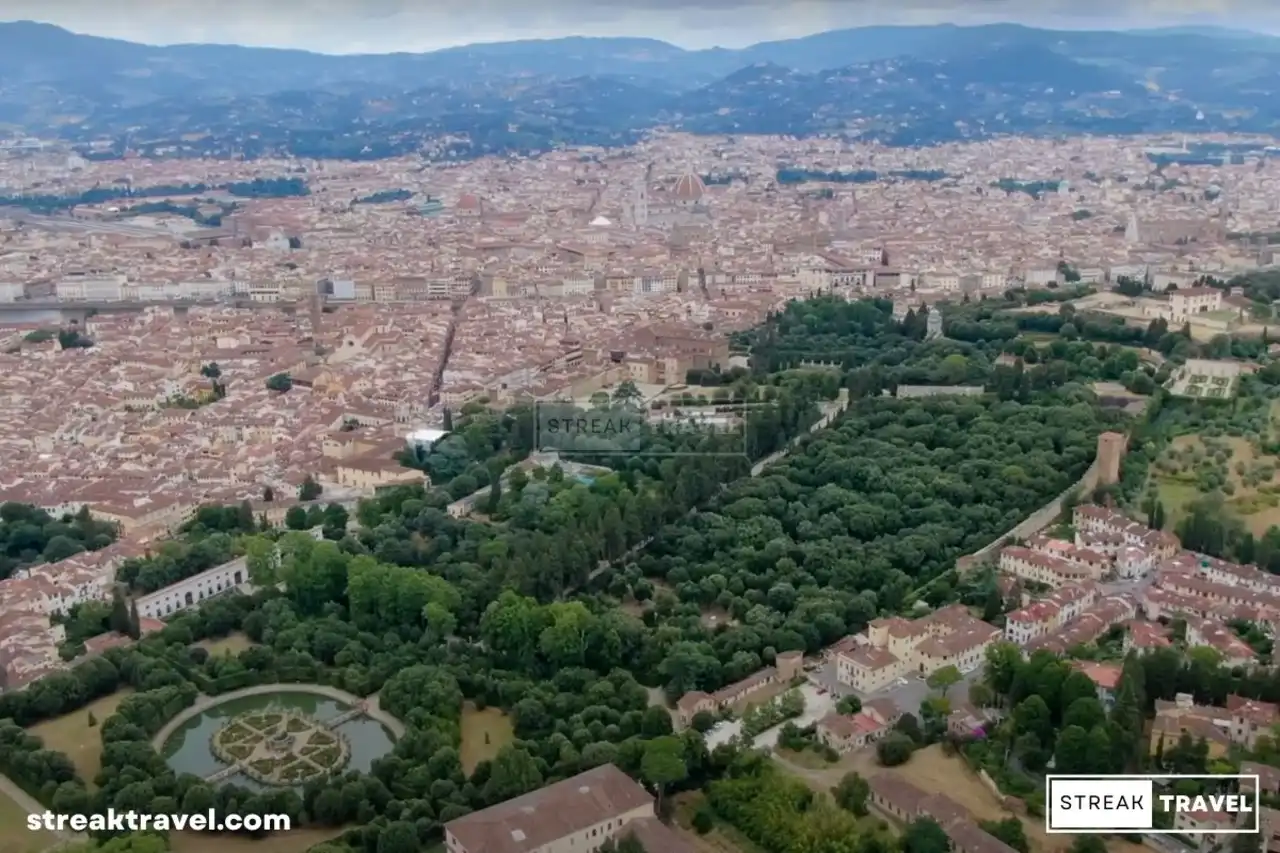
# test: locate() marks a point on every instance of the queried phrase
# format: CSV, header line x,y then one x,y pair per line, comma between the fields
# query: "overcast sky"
x,y
378,26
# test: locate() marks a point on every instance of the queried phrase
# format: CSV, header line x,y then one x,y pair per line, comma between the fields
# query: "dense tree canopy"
x,y
564,601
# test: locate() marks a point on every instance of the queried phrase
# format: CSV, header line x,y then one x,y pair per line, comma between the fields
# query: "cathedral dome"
x,y
690,188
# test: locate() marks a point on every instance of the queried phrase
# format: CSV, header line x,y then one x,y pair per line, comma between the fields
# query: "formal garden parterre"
x,y
280,747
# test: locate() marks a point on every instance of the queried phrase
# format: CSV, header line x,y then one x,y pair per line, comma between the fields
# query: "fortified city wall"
x,y
1104,470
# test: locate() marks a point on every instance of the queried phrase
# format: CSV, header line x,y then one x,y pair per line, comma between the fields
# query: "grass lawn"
x,y
295,841
232,644
935,772
1175,496
475,726
14,835
808,759
72,735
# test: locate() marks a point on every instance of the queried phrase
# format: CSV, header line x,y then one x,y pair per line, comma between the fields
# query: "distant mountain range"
x,y
901,85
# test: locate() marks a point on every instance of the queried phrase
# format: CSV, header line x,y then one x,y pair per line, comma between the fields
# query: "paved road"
x,y
1133,588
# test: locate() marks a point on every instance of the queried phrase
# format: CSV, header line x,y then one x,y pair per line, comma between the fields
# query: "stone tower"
x,y
789,664
1132,231
640,204
1111,450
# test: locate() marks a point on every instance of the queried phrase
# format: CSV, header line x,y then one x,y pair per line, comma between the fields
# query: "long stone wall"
x,y
1108,454
371,707
1034,523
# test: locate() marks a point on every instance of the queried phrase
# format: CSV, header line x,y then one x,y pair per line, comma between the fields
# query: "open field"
x,y
1249,479
933,771
297,840
476,725
72,735
14,835
808,759
232,644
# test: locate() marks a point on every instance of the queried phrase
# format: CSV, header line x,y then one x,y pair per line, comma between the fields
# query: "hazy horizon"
x,y
389,26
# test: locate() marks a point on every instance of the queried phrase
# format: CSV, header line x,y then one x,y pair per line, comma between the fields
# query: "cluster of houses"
x,y
32,598
1069,617
1240,724
29,641
1204,592
892,649
1107,544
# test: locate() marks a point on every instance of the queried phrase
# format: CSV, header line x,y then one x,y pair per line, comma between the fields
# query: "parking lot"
x,y
907,693
817,704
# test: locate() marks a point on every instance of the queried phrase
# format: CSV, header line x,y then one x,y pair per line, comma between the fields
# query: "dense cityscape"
x,y
698,493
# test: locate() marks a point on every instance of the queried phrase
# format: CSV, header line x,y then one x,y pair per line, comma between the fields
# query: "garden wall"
x,y
1034,523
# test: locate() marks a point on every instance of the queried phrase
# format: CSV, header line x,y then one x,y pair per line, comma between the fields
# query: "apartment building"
x,y
1268,778
1213,825
1223,572
897,646
1144,636
1250,718
1233,651
1047,615
90,288
1039,567
1105,530
1097,562
1089,627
